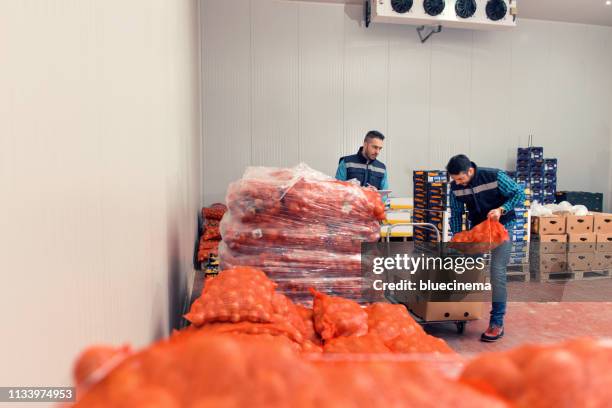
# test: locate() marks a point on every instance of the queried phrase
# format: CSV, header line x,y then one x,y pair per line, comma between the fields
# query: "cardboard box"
x,y
436,311
549,263
603,261
548,225
580,261
551,244
604,242
578,224
581,242
602,223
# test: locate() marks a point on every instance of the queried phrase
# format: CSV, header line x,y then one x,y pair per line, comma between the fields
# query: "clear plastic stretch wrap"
x,y
300,226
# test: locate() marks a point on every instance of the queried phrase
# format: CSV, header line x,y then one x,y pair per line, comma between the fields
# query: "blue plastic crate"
x,y
550,186
522,180
519,238
550,178
522,170
430,176
521,212
518,233
536,173
522,162
530,152
536,180
550,165
520,225
520,246
536,165
437,192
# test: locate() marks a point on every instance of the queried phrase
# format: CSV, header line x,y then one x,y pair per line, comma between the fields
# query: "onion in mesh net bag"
x,y
235,295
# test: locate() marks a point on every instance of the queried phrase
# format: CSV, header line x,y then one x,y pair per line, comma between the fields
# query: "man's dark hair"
x,y
458,164
373,134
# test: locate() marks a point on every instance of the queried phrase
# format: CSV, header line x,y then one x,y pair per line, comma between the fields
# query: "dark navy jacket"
x,y
366,171
482,195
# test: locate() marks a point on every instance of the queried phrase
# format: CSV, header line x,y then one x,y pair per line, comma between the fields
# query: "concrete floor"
x,y
529,322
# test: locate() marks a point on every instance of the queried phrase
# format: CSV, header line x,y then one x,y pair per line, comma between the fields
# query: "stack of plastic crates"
x,y
431,195
550,180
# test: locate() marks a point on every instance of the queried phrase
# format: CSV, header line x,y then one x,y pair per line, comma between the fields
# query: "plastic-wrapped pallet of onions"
x,y
298,223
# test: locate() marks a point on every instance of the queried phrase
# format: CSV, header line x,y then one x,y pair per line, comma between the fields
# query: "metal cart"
x,y
460,324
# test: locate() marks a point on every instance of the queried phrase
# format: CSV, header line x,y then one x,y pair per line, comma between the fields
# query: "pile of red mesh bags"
x,y
195,369
484,237
244,300
198,369
574,373
249,345
378,328
303,228
211,234
335,317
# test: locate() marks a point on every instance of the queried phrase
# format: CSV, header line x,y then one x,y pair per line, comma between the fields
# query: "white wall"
x,y
99,176
295,81
609,206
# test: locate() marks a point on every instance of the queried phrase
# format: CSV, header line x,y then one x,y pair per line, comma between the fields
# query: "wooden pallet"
x,y
524,268
575,275
518,273
588,275
518,276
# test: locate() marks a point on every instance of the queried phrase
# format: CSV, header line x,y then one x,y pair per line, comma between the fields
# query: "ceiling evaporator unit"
x,y
468,14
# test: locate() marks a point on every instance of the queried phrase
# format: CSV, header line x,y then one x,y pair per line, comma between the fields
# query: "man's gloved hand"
x,y
495,214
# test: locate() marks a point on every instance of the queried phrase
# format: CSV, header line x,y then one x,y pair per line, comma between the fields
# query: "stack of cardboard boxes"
x,y
602,227
570,246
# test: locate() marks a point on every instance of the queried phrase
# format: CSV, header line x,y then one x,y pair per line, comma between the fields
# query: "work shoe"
x,y
493,333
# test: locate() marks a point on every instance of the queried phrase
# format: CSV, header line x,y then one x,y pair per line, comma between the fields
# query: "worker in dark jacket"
x,y
364,165
486,193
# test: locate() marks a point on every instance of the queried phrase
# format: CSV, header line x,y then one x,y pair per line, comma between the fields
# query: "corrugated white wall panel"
x,y
365,79
321,85
408,115
275,101
490,134
226,93
530,81
450,98
100,177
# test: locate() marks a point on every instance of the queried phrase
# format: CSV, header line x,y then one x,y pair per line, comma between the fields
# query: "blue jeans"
x,y
500,257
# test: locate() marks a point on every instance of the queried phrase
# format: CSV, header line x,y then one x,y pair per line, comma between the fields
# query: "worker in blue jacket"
x,y
486,193
364,165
